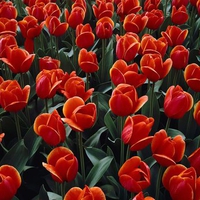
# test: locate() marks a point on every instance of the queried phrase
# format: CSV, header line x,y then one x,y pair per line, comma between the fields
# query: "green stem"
x,y
87,81
16,118
165,11
152,100
175,76
46,104
80,144
121,123
22,80
6,150
167,124
103,69
63,190
160,173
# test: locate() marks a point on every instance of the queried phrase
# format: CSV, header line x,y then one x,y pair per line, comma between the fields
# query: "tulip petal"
x,y
73,193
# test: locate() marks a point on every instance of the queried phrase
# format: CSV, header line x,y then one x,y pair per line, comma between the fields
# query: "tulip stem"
x,y
80,144
121,123
152,100
46,104
63,189
160,172
16,118
167,124
103,75
87,81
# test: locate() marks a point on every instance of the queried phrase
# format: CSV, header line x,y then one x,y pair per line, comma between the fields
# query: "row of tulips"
x,y
104,96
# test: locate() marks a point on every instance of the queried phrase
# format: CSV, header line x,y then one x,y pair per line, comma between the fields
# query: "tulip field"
x,y
100,100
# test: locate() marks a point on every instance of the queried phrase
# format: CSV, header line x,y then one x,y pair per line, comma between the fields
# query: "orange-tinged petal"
x,y
164,160
98,193
141,143
141,101
179,145
73,194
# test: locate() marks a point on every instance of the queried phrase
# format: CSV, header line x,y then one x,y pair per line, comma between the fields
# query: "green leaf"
x,y
174,132
17,156
54,196
98,171
109,191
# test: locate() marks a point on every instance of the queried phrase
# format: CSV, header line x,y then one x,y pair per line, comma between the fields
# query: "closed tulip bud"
x,y
48,63
8,26
51,9
178,3
8,10
196,113
194,160
179,16
151,4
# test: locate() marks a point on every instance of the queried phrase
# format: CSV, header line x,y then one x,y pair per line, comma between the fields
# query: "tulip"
x,y
134,175
10,181
180,56
51,9
47,83
151,4
194,160
193,2
192,76
104,28
166,150
174,35
75,86
140,196
154,68
155,19
181,182
2,135
103,9
62,164
198,6
55,27
79,3
179,16
178,3
123,73
8,10
151,45
196,112
124,100
12,97
48,63
8,26
177,102
50,127
135,23
84,36
127,46
136,130
18,60
85,193
78,115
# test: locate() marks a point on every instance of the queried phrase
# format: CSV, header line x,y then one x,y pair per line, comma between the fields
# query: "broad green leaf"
x,y
98,171
54,196
42,194
174,132
109,191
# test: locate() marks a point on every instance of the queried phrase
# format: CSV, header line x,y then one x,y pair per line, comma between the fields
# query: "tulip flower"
x,y
62,164
124,100
193,2
154,68
85,193
174,35
8,10
123,73
88,61
127,46
18,60
75,86
48,63
196,112
198,6
155,19
79,3
151,45
192,76
194,160
10,181
151,4
166,150
47,83
55,27
135,23
136,131
13,98
178,3
179,16
2,135
104,28
51,9
78,115
134,175
8,26
50,127
140,196
181,182
84,36
177,102
180,56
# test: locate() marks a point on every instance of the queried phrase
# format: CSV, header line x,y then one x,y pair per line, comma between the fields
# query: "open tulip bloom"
x,y
100,100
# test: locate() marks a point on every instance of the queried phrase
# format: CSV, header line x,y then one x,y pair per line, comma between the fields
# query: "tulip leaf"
x,y
17,156
174,132
55,196
98,171
109,191
42,194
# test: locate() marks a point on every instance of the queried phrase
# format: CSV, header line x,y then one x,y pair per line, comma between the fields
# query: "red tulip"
x,y
194,160
12,97
193,2
18,60
155,19
10,181
123,73
181,182
140,196
174,35
134,175
167,151
2,135
93,193
127,46
178,3
8,10
125,96
33,2
104,28
135,23
136,131
78,115
75,86
51,9
179,16
79,3
48,63
62,164
8,26
196,113
84,36
180,56
154,68
151,4
192,76
50,127
177,102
